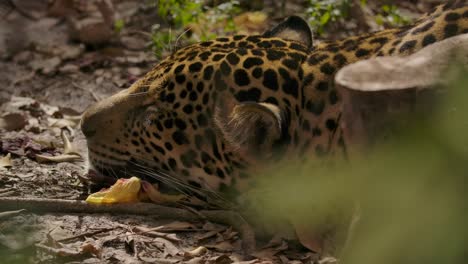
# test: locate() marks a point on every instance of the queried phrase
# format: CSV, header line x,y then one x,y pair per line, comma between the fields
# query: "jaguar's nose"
x,y
87,128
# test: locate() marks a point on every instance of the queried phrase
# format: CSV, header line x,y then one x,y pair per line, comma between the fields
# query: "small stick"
x,y
95,97
92,233
8,214
39,205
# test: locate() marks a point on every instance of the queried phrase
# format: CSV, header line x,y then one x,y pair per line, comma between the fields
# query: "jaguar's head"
x,y
208,115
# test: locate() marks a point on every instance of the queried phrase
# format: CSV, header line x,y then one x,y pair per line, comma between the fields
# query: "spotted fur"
x,y
214,113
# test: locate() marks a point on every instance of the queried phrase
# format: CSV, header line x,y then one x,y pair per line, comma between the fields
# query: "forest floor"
x,y
46,82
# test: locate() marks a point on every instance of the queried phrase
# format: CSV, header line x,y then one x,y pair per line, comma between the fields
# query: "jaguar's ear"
x,y
253,128
293,28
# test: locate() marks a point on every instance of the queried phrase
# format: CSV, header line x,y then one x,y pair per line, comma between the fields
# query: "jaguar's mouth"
x,y
106,175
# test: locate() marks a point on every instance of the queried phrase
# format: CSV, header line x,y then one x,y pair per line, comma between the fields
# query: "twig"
x,y
92,233
7,193
39,205
8,214
95,97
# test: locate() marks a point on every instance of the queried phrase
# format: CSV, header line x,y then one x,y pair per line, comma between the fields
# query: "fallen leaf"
x,y
177,226
224,246
229,234
209,226
197,260
70,52
328,260
196,252
88,247
61,123
206,235
67,145
46,66
31,9
13,121
24,146
95,31
48,109
168,246
269,253
59,158
223,259
5,162
70,154
158,260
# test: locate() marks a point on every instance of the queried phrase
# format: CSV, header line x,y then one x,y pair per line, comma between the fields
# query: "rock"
x,y
133,43
134,71
71,52
46,66
23,57
69,68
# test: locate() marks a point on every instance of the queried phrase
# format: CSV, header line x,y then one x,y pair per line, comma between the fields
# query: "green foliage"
x,y
390,15
180,12
161,40
412,190
119,25
321,13
192,21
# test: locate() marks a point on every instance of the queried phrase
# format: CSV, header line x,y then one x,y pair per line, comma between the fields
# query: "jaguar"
x,y
212,115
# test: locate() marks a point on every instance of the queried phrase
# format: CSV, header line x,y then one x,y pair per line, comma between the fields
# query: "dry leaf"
x,y
46,66
309,239
70,154
91,248
5,162
206,235
197,260
269,253
93,31
169,248
62,122
13,121
177,225
196,252
209,226
158,260
59,158
328,260
229,234
224,246
24,146
223,259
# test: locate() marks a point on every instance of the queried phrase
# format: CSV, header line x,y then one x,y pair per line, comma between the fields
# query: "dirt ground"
x,y
46,82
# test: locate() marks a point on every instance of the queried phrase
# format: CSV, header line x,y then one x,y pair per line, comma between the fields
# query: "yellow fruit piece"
x,y
123,191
